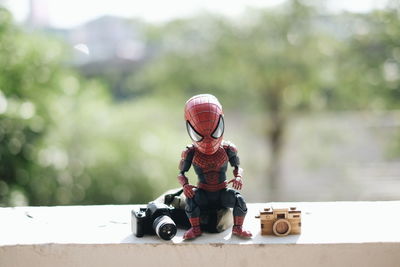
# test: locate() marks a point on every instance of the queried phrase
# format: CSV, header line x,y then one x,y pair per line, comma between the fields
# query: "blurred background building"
x,y
92,96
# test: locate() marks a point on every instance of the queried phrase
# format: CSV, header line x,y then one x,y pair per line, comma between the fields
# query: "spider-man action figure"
x,y
209,154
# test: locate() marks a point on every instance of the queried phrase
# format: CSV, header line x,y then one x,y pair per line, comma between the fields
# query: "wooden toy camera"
x,y
280,222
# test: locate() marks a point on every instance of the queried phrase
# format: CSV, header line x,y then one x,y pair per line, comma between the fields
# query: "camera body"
x,y
156,218
280,222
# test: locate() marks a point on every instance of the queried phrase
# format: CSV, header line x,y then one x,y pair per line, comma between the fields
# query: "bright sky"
x,y
69,13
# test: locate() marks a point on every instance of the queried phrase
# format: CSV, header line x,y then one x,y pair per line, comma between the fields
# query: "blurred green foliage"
x,y
30,81
65,140
369,63
293,58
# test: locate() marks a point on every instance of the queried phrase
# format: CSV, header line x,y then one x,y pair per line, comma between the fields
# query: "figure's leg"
x,y
193,212
233,199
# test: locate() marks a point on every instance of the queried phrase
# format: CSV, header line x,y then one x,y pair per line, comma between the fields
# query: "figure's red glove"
x,y
236,183
188,190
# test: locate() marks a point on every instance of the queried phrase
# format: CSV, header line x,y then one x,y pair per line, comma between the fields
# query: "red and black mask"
x,y
205,122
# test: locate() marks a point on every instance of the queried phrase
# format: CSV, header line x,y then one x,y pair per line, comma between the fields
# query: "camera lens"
x,y
281,227
164,227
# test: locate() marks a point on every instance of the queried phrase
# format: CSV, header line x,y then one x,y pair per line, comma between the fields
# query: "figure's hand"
x,y
188,190
236,183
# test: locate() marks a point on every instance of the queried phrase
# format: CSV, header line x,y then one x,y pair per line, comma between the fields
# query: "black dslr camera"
x,y
165,214
156,218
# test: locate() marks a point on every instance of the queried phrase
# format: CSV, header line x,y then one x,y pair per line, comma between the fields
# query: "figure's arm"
x,y
184,166
231,151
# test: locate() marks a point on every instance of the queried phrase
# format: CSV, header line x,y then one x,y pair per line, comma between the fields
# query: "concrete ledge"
x,y
333,234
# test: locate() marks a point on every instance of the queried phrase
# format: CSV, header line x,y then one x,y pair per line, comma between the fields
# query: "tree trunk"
x,y
275,139
275,133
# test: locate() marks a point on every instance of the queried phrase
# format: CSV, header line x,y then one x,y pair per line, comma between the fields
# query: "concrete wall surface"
x,y
333,234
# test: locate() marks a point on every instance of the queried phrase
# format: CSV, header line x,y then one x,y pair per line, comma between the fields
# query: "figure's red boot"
x,y
238,229
195,231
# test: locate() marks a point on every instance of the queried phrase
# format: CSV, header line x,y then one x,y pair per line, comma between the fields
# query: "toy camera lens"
x,y
164,227
281,227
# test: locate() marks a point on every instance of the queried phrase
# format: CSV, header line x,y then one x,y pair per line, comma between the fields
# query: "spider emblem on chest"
x,y
211,162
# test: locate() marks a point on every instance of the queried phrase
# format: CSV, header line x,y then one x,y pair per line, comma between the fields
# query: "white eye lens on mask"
x,y
220,129
195,136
